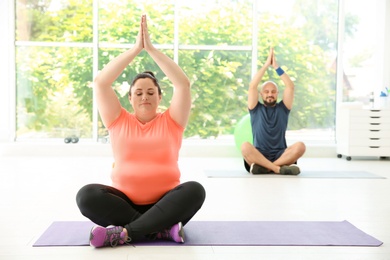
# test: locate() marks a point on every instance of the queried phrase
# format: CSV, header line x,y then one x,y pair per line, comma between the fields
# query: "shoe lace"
x,y
113,237
164,234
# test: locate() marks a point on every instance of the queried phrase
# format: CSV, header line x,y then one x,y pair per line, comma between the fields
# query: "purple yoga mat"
x,y
230,233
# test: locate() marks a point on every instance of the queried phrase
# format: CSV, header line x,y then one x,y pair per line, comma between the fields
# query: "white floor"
x,y
37,190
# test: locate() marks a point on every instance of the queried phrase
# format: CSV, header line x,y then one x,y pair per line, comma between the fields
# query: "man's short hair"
x,y
267,82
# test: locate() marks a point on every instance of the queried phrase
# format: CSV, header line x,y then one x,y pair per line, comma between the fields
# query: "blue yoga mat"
x,y
230,233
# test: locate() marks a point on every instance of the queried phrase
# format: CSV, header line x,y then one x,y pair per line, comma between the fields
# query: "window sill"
x,y
190,148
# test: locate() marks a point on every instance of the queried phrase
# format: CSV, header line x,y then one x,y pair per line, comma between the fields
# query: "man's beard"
x,y
269,104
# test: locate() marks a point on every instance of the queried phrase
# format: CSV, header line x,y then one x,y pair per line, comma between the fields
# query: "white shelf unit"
x,y
363,132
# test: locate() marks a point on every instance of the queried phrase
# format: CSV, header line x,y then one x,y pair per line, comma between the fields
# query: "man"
x,y
269,152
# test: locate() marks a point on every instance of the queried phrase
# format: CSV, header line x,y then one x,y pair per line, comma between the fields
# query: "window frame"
x,y
7,65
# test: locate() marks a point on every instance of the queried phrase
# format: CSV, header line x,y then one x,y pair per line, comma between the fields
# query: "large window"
x,y
53,69
304,35
363,52
61,45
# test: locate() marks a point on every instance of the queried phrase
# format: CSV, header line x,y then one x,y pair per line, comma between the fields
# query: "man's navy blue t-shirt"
x,y
269,125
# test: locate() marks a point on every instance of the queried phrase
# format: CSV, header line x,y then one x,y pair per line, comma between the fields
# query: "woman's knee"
x,y
86,194
195,190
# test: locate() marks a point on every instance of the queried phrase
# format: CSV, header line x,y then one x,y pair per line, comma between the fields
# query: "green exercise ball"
x,y
243,131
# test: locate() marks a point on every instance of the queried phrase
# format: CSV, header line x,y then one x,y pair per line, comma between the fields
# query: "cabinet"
x,y
363,132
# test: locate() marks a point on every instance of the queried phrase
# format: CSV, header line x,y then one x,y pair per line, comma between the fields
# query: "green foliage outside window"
x,y
54,83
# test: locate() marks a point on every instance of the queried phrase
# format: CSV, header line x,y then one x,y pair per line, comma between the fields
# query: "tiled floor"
x,y
37,190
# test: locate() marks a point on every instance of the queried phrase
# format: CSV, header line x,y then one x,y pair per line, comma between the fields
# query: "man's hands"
x,y
143,39
274,63
271,60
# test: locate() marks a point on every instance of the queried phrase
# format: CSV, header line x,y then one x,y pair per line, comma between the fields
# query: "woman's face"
x,y
144,97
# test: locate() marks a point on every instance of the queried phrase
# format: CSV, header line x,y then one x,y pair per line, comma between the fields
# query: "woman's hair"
x,y
144,75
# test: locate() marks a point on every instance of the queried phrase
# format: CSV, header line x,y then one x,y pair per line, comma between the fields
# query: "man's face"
x,y
269,94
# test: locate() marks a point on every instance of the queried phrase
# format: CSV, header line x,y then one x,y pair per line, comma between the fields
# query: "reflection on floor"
x,y
37,190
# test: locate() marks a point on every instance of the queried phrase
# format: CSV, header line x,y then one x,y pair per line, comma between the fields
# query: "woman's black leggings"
x,y
104,205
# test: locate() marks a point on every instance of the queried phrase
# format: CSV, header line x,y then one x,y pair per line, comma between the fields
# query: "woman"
x,y
146,199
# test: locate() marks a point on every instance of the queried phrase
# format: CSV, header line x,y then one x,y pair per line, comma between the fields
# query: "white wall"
x,y
6,71
386,76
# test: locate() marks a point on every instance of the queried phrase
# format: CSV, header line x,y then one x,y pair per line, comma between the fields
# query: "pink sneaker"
x,y
109,236
175,233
